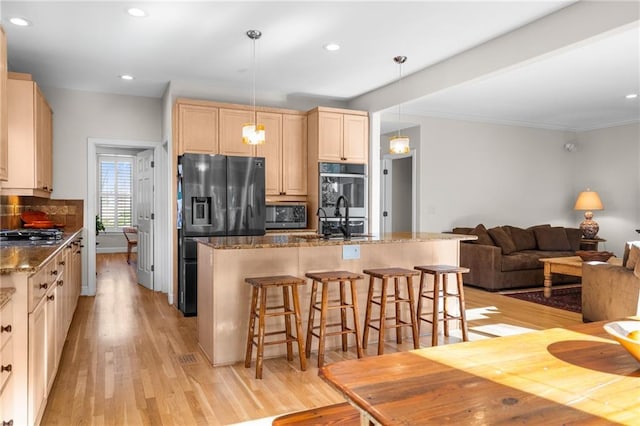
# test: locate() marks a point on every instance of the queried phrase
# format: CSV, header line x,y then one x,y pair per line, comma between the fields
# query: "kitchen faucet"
x,y
343,228
322,229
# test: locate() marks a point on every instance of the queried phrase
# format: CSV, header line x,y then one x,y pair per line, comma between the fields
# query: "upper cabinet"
x,y
4,127
30,137
285,153
196,128
231,122
340,135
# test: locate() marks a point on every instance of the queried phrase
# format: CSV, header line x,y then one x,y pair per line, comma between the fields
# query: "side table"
x,y
590,243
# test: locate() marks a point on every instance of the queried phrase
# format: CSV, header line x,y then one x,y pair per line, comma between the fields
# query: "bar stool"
x,y
381,300
434,295
259,310
324,305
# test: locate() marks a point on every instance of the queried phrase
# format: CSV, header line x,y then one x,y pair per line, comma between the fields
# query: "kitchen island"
x,y
224,263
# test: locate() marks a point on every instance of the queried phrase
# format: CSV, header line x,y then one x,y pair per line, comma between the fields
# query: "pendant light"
x,y
253,133
399,144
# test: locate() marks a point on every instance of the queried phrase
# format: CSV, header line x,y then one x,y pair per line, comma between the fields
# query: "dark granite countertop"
x,y
313,240
28,259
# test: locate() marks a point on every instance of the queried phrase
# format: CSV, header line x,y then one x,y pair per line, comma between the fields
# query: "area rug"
x,y
569,299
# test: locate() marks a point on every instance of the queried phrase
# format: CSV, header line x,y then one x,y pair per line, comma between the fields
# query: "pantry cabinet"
x,y
340,135
196,128
30,138
4,127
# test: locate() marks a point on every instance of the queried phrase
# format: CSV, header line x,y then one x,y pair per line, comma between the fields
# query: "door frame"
x,y
160,226
386,192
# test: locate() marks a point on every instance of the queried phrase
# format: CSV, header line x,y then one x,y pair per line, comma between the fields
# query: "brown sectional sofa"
x,y
508,257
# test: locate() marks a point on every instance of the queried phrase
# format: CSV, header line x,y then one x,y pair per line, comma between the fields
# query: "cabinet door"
x,y
21,122
272,151
330,136
294,154
231,122
51,308
37,361
44,134
197,129
4,126
356,131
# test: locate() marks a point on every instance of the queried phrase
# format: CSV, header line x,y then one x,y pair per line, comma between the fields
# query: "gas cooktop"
x,y
30,237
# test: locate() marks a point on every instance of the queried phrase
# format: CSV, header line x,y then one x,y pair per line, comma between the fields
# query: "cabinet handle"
x,y
45,286
81,246
51,189
5,329
9,423
60,283
5,368
62,262
52,297
54,272
46,188
69,246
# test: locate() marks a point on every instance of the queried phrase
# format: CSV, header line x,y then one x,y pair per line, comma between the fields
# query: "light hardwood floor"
x,y
130,358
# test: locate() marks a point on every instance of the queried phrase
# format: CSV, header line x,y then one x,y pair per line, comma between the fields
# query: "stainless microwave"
x,y
286,216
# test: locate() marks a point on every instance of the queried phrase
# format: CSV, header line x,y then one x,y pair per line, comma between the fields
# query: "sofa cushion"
x,y
552,238
634,257
483,236
574,235
502,239
462,230
627,247
546,225
519,260
524,239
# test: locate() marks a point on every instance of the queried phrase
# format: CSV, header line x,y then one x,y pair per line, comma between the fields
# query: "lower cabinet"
x,y
43,306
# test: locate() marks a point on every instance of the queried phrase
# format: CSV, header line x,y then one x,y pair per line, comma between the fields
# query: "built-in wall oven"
x,y
350,181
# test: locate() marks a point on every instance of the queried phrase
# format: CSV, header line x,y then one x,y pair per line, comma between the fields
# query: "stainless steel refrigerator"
x,y
218,196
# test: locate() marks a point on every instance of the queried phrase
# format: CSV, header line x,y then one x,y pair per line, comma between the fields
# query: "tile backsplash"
x,y
68,213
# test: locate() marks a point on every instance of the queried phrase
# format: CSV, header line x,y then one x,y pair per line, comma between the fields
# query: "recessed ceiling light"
x,y
331,47
21,22
126,77
631,96
138,13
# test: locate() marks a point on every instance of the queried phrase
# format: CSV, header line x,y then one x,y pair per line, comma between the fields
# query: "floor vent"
x,y
188,359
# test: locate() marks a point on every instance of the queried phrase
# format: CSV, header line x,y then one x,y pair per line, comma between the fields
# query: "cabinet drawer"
x,y
6,403
6,363
38,285
6,323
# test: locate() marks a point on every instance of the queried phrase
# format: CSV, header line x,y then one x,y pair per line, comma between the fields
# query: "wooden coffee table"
x,y
570,265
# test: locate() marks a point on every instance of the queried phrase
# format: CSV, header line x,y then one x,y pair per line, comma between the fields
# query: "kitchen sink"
x,y
335,237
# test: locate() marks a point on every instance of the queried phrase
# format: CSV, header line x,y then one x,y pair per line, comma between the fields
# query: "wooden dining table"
x,y
577,375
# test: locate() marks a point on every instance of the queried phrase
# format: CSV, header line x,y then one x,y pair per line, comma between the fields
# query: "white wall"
x,y
79,115
608,162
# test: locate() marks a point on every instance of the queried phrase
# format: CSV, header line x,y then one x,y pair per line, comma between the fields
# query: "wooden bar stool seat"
x,y
382,299
260,310
325,305
440,289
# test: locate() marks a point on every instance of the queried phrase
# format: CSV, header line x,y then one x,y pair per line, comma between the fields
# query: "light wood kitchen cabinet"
x,y
4,127
285,153
44,304
231,122
6,363
340,135
30,139
197,128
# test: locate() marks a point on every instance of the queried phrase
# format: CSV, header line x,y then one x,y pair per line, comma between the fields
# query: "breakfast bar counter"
x,y
224,263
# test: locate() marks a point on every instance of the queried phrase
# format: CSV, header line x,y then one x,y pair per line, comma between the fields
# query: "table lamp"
x,y
588,200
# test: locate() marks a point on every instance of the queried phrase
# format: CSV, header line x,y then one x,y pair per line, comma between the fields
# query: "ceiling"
x,y
88,45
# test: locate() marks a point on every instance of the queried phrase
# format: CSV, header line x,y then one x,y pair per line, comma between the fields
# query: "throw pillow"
x,y
546,225
627,248
502,239
634,257
574,235
483,236
553,238
523,239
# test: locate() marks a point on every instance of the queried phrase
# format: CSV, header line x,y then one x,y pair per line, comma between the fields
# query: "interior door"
x,y
144,217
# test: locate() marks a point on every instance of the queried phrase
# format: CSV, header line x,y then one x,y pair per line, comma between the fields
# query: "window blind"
x,y
115,192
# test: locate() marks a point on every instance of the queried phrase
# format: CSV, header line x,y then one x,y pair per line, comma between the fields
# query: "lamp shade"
x,y
588,200
399,145
253,134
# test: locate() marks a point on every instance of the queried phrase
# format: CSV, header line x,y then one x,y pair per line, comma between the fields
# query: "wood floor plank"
x,y
130,358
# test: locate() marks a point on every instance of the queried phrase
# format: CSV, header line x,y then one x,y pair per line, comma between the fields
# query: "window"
x,y
115,191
